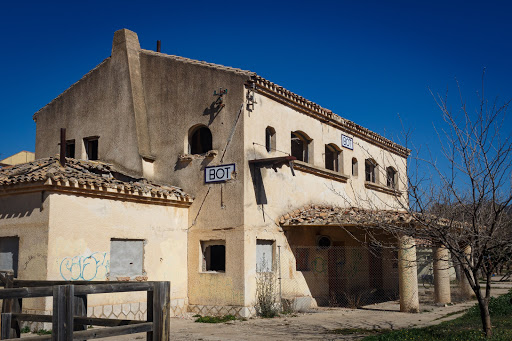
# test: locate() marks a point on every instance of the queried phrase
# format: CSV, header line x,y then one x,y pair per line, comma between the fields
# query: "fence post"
x,y
12,305
80,309
161,311
63,309
5,332
149,312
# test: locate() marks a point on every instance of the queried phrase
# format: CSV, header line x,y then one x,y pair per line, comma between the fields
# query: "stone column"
x,y
466,291
441,275
408,275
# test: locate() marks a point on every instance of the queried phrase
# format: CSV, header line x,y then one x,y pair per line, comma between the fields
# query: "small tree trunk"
x,y
486,317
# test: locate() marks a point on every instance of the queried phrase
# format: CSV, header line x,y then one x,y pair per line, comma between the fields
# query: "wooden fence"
x,y
69,319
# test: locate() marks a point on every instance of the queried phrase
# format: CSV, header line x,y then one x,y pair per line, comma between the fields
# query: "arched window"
x,y
370,170
200,140
392,177
355,170
270,139
301,145
333,157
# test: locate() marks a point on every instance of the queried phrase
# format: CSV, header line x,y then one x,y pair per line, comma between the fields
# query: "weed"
x,y
266,293
25,329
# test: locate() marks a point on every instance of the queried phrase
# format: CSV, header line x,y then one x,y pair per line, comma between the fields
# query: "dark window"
x,y
214,256
9,250
91,148
300,146
324,242
391,177
126,258
369,167
332,157
302,259
200,140
355,171
270,139
70,148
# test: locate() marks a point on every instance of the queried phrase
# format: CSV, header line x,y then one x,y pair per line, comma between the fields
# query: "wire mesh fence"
x,y
340,276
353,277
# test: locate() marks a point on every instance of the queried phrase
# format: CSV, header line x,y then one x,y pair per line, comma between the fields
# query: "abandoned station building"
x,y
204,175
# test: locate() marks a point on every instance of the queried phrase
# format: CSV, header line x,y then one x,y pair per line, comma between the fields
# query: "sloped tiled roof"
x,y
201,63
331,215
86,174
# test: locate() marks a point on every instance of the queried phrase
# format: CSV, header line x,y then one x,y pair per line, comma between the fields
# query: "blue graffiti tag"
x,y
87,268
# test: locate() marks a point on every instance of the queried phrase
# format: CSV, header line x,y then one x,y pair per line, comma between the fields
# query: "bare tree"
x,y
462,200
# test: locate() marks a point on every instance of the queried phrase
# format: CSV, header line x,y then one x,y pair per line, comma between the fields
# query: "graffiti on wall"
x,y
94,266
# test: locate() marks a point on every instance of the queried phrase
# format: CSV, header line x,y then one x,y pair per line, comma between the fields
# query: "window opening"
x,y
126,258
9,252
200,140
214,256
324,242
354,167
369,166
91,148
270,139
264,255
300,146
302,259
70,148
332,157
391,177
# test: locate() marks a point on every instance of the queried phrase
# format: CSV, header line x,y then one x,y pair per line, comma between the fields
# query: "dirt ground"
x,y
314,325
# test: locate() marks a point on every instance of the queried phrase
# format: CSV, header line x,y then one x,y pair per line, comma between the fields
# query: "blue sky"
x,y
368,61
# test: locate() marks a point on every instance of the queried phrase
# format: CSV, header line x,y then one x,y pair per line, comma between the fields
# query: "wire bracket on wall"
x,y
219,101
251,101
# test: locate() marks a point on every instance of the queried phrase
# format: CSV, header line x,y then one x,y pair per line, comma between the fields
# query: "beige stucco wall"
x,y
18,158
99,104
285,192
82,226
26,216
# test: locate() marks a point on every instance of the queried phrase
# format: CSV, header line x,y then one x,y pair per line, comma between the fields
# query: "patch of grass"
x,y
467,327
42,332
451,314
215,319
25,329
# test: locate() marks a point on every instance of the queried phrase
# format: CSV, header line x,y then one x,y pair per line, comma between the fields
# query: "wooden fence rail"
x,y
69,319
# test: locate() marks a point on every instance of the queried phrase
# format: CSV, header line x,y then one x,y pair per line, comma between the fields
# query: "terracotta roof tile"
x,y
332,215
82,172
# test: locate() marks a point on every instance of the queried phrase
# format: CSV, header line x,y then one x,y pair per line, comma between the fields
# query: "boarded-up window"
x,y
9,249
126,258
302,259
264,255
214,255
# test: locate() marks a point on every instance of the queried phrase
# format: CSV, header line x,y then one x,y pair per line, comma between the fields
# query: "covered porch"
x,y
332,260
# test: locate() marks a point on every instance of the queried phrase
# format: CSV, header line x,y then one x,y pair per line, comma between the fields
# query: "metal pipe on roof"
x,y
63,147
